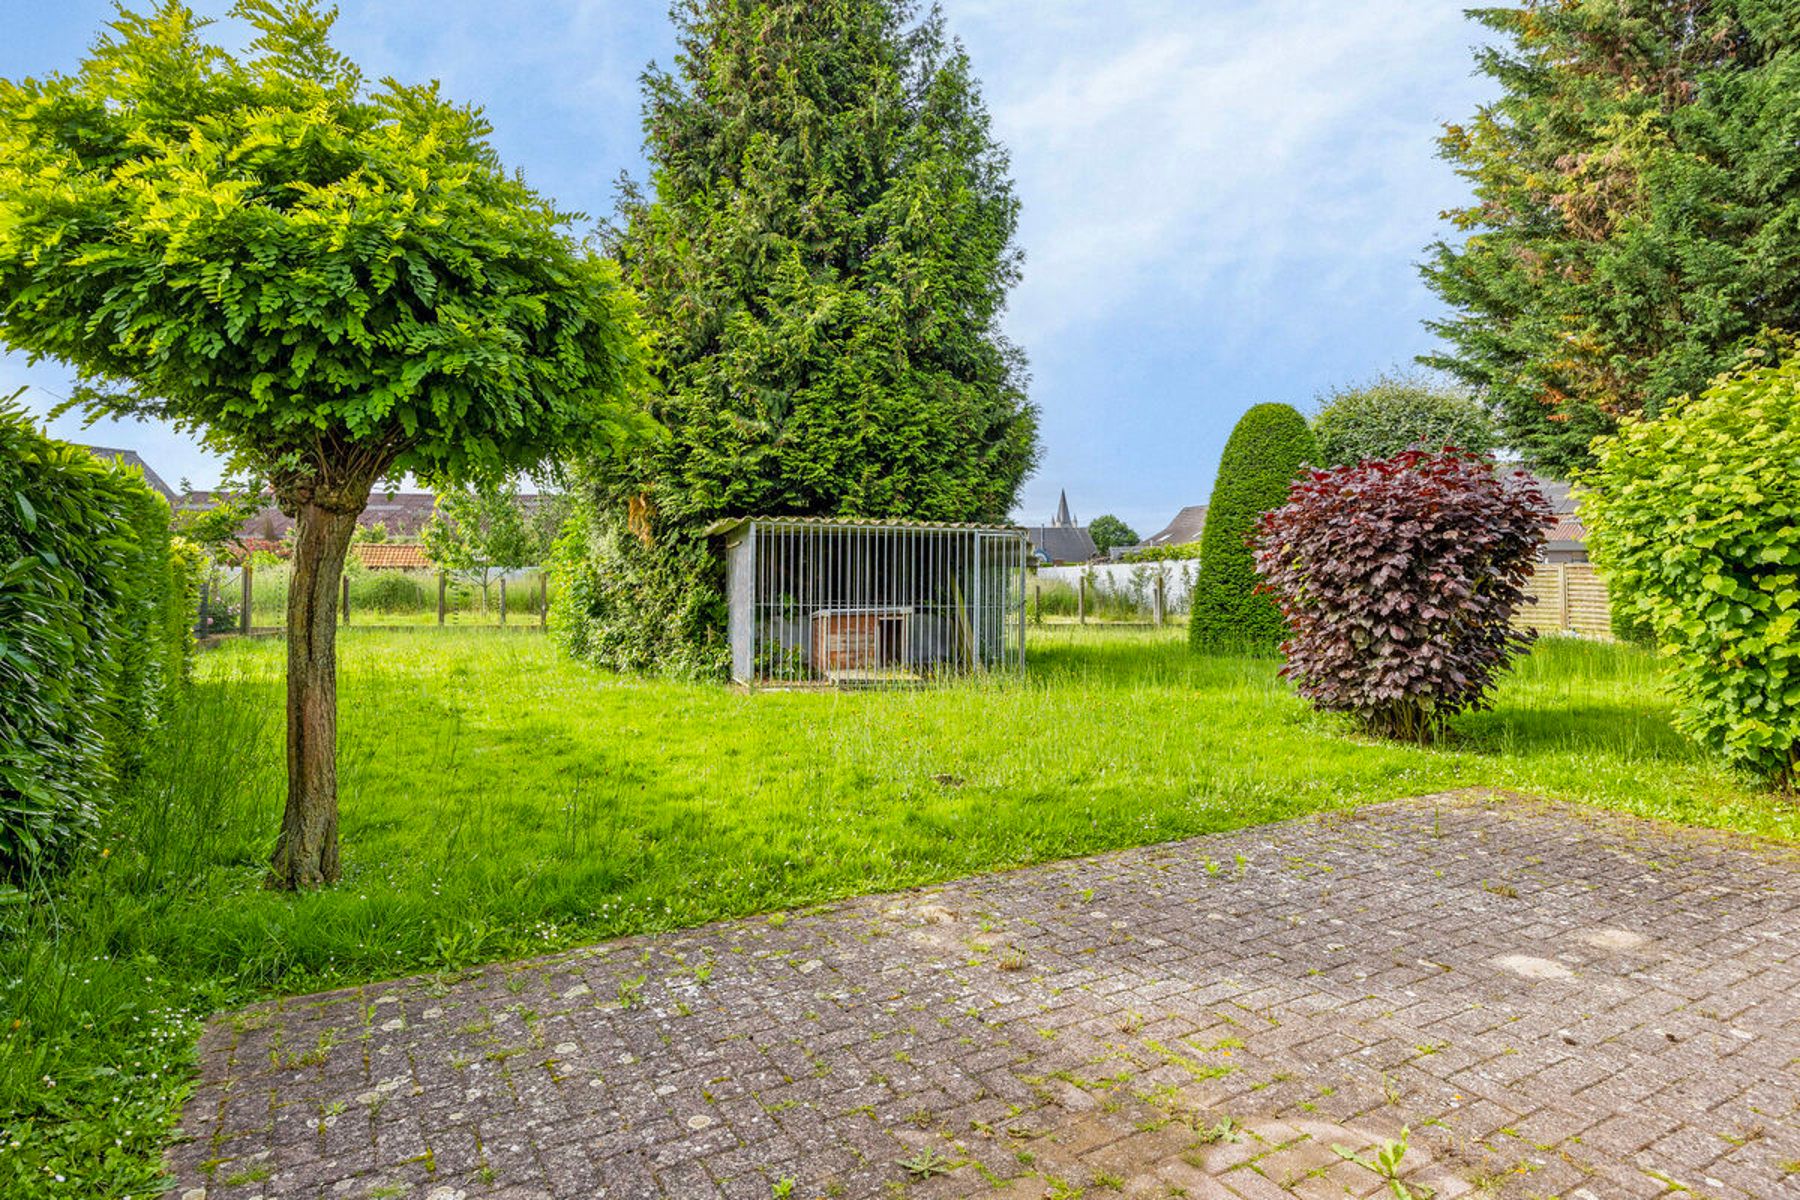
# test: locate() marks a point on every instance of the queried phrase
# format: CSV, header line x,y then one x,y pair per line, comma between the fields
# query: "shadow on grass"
x,y
1634,730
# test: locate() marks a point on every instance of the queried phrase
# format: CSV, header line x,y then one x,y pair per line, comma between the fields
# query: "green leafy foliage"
x,y
215,528
95,612
331,283
1395,413
1261,458
1108,531
476,533
1695,519
334,284
1636,193
823,265
1181,551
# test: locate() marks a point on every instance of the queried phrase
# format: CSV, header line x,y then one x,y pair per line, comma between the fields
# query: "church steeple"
x,y
1062,512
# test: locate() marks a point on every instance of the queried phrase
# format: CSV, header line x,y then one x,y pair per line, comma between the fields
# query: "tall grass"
x,y
99,1007
499,800
1058,599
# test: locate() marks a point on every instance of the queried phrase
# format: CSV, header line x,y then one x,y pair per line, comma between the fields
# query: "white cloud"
x,y
1216,150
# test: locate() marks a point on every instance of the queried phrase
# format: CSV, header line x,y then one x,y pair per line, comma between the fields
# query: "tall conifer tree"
x,y
824,255
1636,218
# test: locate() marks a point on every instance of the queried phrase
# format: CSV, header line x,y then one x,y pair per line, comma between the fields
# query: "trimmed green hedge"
x,y
95,631
1261,459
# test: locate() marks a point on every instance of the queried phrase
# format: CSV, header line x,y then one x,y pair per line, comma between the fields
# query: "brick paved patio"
x,y
1558,1003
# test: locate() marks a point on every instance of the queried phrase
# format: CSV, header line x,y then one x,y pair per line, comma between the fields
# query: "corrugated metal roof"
x,y
728,524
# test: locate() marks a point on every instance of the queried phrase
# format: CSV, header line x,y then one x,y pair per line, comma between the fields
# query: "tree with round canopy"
x,y
331,283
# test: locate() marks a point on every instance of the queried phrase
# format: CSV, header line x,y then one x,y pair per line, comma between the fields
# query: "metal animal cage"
x,y
854,602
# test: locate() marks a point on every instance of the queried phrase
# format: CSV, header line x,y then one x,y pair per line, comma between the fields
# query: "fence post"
x,y
1562,589
1159,598
544,600
503,599
249,596
440,597
344,603
203,620
1081,597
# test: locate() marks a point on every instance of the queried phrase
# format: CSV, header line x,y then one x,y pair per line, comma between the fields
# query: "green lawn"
x,y
499,800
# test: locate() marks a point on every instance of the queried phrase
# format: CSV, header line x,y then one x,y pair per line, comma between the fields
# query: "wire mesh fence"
x,y
1152,593
254,598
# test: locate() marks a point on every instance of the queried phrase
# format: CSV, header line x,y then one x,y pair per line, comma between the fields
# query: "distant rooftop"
x,y
1063,543
392,556
1186,527
131,458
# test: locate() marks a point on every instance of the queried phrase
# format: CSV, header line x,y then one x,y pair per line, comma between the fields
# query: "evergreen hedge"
x,y
95,633
1261,459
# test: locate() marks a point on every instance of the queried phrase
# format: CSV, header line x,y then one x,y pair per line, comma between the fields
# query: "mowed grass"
x,y
499,800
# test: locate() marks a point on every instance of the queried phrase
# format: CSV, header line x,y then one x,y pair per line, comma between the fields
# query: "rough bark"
x,y
306,855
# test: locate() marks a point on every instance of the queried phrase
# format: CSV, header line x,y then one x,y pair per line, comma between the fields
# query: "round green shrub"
x,y
1695,520
1394,413
1261,458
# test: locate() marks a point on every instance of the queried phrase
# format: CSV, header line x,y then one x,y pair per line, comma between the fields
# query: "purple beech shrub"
x,y
1398,578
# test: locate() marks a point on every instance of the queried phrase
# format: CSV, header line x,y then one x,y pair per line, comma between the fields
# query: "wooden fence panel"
x,y
1589,612
1566,598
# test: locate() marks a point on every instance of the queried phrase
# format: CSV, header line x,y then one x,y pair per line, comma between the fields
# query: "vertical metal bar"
x,y
980,614
346,599
751,568
816,568
544,599
1024,569
790,536
778,562
503,599
784,573
249,597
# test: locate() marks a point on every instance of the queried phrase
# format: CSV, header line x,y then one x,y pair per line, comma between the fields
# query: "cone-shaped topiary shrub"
x,y
1695,518
1261,458
1399,578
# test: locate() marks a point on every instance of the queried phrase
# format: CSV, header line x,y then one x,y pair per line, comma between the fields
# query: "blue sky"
x,y
1224,203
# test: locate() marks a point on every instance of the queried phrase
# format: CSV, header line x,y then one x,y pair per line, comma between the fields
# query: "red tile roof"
x,y
393,556
1568,529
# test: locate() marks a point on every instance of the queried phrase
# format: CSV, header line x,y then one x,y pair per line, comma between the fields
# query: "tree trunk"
x,y
307,853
